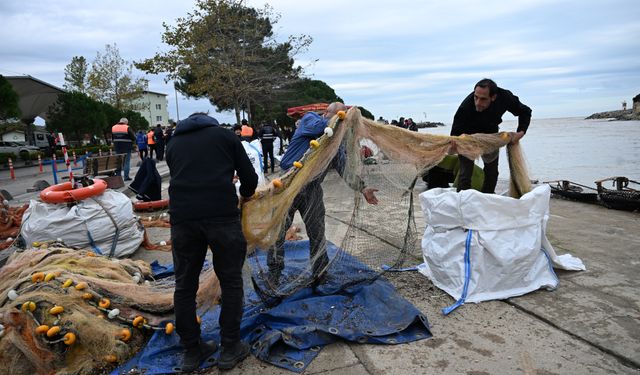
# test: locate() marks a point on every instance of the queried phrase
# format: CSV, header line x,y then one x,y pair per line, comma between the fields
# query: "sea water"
x,y
574,149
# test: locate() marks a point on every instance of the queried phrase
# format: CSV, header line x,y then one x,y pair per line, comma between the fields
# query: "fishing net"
x,y
68,311
381,236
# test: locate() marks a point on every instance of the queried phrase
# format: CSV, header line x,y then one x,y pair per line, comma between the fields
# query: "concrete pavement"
x,y
589,325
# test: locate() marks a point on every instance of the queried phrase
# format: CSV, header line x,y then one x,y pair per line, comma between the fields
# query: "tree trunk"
x,y
237,110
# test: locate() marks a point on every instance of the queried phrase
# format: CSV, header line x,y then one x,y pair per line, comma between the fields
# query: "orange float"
x,y
65,193
151,206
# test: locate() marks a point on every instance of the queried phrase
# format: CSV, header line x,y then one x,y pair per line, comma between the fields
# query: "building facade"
x,y
13,136
155,108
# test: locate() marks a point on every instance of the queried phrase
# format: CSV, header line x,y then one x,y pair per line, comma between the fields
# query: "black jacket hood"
x,y
195,122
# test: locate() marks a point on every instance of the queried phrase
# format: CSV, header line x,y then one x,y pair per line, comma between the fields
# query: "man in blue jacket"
x,y
309,202
203,158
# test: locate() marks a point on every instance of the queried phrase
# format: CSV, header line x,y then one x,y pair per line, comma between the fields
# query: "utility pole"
x,y
177,109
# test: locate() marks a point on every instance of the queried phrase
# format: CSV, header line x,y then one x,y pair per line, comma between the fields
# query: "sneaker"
x,y
233,354
127,178
193,357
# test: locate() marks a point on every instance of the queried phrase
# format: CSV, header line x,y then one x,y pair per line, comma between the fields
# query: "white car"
x,y
17,149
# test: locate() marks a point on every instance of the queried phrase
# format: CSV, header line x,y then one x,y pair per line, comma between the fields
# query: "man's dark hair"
x,y
486,82
244,122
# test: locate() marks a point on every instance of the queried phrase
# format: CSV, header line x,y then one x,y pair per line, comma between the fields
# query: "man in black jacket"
x,y
203,158
481,112
267,135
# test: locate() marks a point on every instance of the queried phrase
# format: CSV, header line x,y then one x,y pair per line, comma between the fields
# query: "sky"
x,y
416,59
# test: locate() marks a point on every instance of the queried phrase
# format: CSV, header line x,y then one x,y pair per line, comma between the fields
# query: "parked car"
x,y
17,149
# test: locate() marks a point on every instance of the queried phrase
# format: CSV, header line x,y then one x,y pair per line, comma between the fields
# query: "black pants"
x,y
142,153
309,202
490,172
229,247
267,151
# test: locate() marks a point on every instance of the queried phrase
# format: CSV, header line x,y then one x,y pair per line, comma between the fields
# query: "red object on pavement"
x,y
40,163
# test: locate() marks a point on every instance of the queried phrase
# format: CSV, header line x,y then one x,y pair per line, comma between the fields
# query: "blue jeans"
x,y
127,165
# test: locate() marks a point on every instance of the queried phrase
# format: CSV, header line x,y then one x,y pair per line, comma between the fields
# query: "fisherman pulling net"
x,y
382,235
67,309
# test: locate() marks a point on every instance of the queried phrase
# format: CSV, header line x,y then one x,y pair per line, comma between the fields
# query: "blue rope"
x,y
467,276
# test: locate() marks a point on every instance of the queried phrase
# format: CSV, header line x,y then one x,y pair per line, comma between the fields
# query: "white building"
x,y
13,136
155,108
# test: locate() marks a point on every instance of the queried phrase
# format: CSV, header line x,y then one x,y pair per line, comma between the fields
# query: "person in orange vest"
x,y
151,143
123,139
246,130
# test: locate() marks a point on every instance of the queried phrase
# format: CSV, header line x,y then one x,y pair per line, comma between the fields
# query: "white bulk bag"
x,y
479,247
88,224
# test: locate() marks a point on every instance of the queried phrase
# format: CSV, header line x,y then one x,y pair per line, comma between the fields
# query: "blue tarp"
x,y
291,334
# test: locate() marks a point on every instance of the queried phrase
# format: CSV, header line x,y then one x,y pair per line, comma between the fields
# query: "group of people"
x,y
125,141
153,141
268,137
205,212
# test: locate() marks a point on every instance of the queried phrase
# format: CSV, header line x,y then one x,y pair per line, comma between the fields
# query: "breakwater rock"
x,y
618,115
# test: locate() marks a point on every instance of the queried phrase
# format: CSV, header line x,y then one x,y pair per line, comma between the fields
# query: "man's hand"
x,y
369,195
453,149
242,200
515,137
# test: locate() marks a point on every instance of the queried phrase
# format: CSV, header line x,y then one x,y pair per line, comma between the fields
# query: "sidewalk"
x,y
589,325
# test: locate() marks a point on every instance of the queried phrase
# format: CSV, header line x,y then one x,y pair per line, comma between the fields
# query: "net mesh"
x,y
381,236
33,282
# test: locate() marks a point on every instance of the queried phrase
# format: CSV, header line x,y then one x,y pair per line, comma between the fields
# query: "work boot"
x,y
193,357
232,354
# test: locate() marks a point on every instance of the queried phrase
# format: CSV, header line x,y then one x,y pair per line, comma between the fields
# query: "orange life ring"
x,y
150,206
64,192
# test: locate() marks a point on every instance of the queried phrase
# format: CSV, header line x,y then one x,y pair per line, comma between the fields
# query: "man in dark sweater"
x,y
481,112
203,158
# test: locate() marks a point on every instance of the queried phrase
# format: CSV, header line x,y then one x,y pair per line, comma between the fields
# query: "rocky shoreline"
x,y
428,124
624,115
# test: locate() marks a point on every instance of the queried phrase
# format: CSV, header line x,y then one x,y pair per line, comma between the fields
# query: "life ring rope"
x,y
65,193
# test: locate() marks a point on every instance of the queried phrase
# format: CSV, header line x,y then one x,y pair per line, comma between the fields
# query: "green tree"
x,y
136,120
366,113
75,75
8,101
111,80
76,114
227,52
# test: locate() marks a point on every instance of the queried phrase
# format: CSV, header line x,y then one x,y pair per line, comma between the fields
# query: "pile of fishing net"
x,y
387,158
10,222
68,311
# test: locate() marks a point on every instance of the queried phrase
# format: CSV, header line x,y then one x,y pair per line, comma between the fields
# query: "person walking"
x,y
268,134
141,142
123,138
158,137
151,143
202,159
481,112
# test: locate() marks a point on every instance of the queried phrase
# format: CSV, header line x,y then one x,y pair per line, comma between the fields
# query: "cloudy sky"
x,y
400,58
